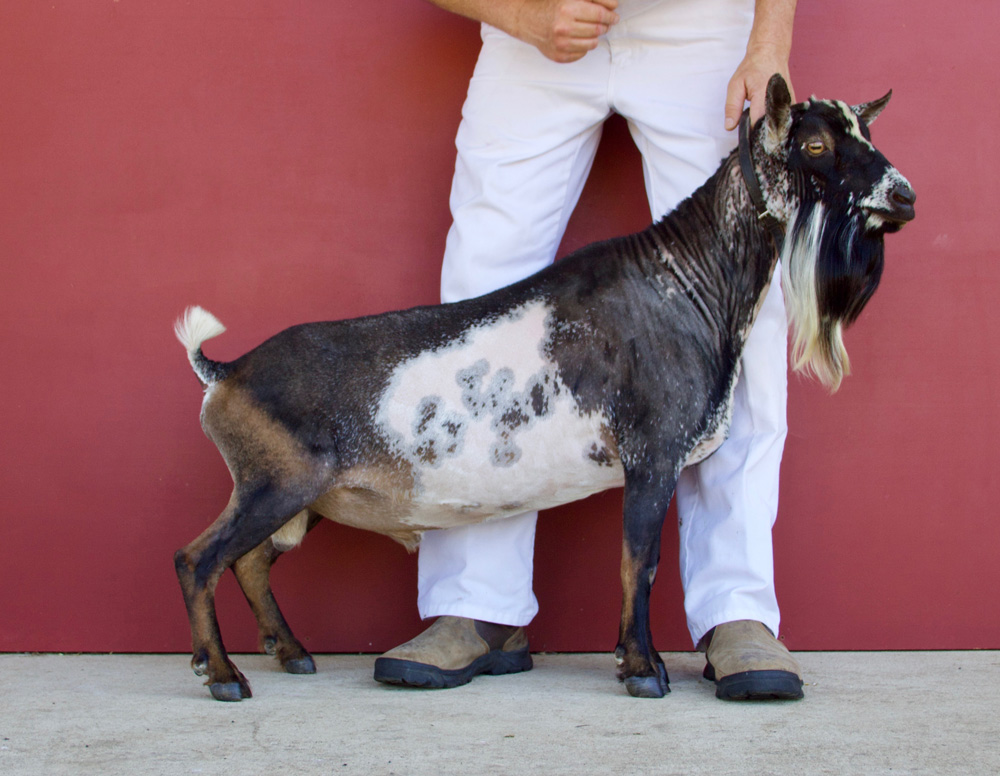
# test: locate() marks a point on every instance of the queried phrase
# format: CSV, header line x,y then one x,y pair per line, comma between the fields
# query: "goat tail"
x,y
192,329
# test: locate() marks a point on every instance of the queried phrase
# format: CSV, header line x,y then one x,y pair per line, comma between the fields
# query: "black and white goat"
x,y
615,366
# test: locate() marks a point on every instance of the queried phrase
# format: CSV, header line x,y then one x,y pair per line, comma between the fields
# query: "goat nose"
x,y
903,197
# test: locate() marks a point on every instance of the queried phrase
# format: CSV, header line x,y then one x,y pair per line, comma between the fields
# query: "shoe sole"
x,y
412,674
757,685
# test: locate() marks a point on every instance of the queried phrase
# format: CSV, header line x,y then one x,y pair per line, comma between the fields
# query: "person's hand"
x,y
564,30
767,53
749,82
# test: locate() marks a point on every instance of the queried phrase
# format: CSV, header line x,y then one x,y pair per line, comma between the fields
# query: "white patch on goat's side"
x,y
489,429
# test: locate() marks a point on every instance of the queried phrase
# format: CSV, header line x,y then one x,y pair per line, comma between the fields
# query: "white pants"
x,y
529,132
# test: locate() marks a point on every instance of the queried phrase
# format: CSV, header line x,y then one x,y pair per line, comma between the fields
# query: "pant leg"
x,y
678,58
728,503
529,131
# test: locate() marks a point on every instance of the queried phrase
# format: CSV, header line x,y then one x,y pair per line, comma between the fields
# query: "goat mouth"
x,y
890,220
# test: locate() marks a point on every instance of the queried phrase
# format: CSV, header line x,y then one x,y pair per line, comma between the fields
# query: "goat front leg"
x,y
640,666
245,523
253,574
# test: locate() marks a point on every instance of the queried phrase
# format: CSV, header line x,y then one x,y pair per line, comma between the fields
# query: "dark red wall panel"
x,y
279,162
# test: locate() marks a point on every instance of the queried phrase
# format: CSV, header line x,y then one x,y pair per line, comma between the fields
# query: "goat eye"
x,y
815,147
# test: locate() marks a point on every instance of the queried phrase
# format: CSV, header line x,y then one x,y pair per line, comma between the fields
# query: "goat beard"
x,y
832,265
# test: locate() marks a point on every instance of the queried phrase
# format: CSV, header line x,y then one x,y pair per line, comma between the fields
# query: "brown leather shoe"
x,y
747,662
452,651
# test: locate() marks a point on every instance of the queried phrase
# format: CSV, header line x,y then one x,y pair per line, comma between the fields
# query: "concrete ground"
x,y
864,713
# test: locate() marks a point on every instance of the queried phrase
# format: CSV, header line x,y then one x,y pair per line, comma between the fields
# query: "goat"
x,y
615,366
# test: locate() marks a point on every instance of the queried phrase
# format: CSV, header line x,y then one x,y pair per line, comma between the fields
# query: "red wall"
x,y
279,162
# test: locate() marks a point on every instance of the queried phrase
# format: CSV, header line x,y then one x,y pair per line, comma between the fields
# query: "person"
x,y
549,73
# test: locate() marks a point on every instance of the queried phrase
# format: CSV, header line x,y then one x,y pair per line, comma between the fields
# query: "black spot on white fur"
x,y
438,434
508,410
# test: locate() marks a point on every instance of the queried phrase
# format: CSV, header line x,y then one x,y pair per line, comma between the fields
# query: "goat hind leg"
x,y
253,574
244,524
209,657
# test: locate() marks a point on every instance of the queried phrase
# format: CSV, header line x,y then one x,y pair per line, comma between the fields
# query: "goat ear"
x,y
777,111
868,111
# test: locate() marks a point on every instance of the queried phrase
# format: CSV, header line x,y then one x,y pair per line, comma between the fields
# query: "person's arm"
x,y
768,51
563,30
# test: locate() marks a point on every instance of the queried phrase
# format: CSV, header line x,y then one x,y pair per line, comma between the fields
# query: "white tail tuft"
x,y
193,328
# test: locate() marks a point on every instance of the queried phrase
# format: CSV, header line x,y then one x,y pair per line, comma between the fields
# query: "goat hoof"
x,y
230,691
300,665
647,686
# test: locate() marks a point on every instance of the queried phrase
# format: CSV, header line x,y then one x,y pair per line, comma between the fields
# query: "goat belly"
x,y
472,488
488,429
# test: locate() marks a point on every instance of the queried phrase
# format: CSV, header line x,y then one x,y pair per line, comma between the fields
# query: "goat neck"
x,y
714,250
